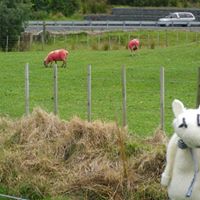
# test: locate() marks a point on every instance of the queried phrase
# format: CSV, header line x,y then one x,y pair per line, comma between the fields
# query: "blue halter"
x,y
182,145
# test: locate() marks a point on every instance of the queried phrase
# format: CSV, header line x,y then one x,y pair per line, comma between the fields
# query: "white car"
x,y
178,17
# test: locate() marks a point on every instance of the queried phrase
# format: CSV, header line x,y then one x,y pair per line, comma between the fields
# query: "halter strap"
x,y
196,170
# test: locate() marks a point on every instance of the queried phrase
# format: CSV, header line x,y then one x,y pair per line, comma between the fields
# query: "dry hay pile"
x,y
42,156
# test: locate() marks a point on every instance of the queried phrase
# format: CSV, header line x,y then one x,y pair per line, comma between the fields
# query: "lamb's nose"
x,y
183,124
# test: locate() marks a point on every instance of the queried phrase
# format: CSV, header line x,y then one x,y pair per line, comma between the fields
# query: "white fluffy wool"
x,y
182,162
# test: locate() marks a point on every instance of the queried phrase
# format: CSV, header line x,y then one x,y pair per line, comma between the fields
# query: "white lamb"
x,y
181,174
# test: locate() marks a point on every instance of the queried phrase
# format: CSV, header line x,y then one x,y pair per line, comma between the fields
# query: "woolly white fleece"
x,y
179,170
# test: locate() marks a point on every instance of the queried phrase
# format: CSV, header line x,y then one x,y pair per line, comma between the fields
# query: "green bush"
x,y
93,6
39,15
66,7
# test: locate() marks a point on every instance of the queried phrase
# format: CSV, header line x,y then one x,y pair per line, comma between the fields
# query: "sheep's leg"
x,y
64,63
131,52
50,64
171,152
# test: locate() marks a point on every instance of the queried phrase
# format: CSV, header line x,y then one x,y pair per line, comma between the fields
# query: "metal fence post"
x,y
27,89
89,92
55,77
162,96
124,115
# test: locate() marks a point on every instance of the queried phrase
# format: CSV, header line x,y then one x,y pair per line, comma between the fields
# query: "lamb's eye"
x,y
183,123
198,119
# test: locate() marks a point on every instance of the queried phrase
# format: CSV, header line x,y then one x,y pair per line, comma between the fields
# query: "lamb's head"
x,y
187,124
45,63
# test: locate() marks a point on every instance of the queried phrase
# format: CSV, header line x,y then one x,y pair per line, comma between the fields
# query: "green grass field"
x,y
180,59
143,84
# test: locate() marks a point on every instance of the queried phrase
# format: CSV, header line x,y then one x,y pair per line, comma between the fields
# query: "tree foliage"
x,y
69,7
93,6
156,3
66,7
13,14
41,5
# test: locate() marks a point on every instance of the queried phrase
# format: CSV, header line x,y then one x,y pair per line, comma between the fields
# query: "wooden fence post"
x,y
55,77
124,115
18,43
177,37
109,41
162,98
7,38
89,93
158,38
196,36
119,40
44,31
87,41
198,88
148,37
99,41
54,39
166,38
186,36
27,89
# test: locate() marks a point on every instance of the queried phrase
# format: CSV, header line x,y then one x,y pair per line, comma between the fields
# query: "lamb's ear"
x,y
177,107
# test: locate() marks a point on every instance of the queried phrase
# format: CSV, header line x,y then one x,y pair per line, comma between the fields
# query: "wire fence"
x,y
142,103
142,96
101,40
142,91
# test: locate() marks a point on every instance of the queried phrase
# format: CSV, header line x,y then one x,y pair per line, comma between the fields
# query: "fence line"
x,y
89,92
103,41
106,94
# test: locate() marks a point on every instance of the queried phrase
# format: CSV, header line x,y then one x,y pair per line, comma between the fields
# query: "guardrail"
x,y
102,25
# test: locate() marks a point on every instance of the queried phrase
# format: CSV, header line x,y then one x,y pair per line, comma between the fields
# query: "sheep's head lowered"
x,y
45,63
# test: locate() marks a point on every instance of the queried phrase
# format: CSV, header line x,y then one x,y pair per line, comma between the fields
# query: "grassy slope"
x,y
142,84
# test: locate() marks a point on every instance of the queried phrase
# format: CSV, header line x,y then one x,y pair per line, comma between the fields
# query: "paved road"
x,y
73,26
